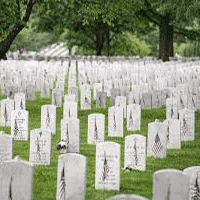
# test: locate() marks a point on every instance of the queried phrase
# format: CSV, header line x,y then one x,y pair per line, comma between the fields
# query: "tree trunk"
x,y
170,39
99,42
166,38
5,45
108,42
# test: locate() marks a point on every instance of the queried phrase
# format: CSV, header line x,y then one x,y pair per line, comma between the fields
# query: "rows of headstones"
x,y
127,82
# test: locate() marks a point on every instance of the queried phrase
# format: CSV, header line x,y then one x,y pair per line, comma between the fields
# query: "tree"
x,y
98,22
11,25
171,16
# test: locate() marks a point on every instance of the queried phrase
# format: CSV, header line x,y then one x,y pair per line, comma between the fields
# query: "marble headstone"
x,y
107,173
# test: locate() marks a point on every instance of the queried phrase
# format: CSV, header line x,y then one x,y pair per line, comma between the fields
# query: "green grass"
x,y
135,182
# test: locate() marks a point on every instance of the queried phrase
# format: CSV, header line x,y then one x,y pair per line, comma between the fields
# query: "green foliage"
x,y
31,40
128,44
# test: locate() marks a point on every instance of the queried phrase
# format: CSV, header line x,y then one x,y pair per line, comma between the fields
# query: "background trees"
x,y
99,27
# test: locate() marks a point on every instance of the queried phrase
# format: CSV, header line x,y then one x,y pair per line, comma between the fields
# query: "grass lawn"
x,y
135,182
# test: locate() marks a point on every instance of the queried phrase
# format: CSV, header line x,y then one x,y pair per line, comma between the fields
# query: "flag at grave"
x,y
5,115
48,120
95,130
184,127
135,153
130,120
105,168
157,145
114,123
16,128
87,101
21,105
38,156
195,191
62,185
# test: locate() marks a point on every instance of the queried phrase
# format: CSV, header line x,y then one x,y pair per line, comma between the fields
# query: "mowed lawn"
x,y
135,182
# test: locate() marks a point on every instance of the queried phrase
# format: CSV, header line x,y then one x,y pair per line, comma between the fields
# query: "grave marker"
x,y
19,124
6,147
7,106
70,132
71,177
16,180
48,118
107,173
157,140
20,101
96,128
40,147
135,152
187,119
115,121
173,133
127,197
133,117
194,184
170,184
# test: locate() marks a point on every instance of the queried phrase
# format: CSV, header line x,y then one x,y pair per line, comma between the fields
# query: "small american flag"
x,y
195,191
130,120
95,131
172,112
184,127
67,135
21,105
157,145
38,156
5,115
105,168
114,123
135,154
87,101
62,185
48,120
15,128
167,132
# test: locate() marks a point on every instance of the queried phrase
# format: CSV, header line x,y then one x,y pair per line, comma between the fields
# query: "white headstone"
x,y
121,101
115,121
40,147
70,132
107,173
133,117
194,175
127,197
19,124
187,119
96,128
70,110
85,99
173,134
20,101
71,177
7,106
16,180
48,118
56,98
135,152
170,184
157,140
6,147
